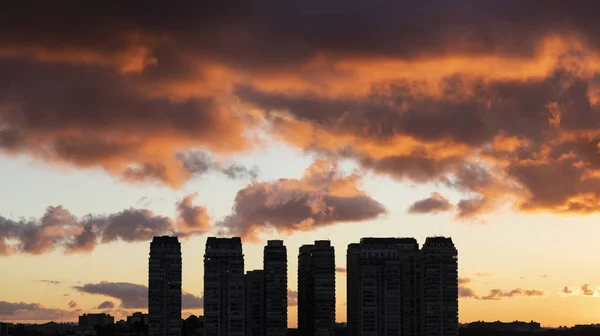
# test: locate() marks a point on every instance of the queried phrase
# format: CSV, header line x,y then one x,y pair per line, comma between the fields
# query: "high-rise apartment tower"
x,y
164,287
275,276
440,287
383,287
224,287
254,288
316,289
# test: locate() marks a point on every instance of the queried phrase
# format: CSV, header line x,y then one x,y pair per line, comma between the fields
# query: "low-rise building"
x,y
88,322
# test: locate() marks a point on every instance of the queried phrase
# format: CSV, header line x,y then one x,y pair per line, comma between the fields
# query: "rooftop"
x,y
438,240
165,240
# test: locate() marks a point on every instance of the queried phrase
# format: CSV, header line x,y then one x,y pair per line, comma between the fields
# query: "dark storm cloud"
x,y
415,167
322,197
58,228
133,296
89,116
433,204
451,136
512,84
299,29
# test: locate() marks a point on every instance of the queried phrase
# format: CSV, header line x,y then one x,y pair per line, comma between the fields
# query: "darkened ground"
x,y
193,327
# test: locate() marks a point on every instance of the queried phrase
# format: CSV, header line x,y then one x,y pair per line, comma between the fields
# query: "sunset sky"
x,y
299,120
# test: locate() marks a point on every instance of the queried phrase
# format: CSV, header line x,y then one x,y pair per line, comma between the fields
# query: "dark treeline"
x,y
583,331
192,326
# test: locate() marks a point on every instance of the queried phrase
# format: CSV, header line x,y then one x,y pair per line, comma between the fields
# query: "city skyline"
x,y
299,121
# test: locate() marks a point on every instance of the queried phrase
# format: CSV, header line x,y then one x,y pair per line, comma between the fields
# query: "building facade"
x,y
164,287
393,288
275,285
224,287
439,259
316,289
383,287
254,288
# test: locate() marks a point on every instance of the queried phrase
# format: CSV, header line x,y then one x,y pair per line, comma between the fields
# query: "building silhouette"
x,y
515,326
224,287
137,317
316,289
88,322
393,288
164,287
383,286
440,287
275,286
254,288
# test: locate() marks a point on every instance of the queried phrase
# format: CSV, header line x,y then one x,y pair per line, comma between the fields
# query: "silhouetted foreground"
x,y
193,326
577,331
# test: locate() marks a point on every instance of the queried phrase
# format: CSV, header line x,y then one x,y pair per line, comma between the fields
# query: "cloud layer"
x,y
21,311
323,196
58,228
501,99
433,204
494,294
132,296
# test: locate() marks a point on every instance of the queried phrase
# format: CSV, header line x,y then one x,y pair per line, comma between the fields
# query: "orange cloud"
x,y
493,105
322,197
434,204
58,228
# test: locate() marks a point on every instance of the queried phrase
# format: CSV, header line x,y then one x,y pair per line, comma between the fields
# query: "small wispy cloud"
x,y
53,282
588,290
341,270
582,290
497,294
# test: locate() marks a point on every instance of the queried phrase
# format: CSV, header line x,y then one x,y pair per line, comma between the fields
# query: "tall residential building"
x,y
352,290
316,289
164,287
440,287
3,329
275,277
383,287
254,288
224,287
